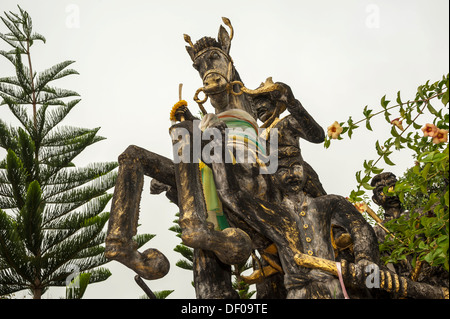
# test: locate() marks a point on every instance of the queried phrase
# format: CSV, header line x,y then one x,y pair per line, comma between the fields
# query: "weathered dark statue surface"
x,y
310,244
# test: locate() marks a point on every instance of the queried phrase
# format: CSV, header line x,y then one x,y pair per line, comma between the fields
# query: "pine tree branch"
x,y
70,178
51,74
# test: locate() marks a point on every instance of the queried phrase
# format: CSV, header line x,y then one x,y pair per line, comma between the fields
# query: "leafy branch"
x,y
423,232
409,112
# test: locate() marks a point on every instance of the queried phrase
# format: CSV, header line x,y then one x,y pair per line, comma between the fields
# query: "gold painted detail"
x,y
445,293
271,249
389,281
397,283
308,261
259,275
405,286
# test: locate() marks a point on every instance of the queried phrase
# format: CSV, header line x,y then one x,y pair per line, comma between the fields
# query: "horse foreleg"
x,y
134,163
232,245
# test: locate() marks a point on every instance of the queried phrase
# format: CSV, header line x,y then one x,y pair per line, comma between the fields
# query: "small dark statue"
x,y
245,190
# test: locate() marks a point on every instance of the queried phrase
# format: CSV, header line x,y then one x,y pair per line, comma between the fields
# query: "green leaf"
x,y
367,186
366,111
378,148
445,98
431,109
399,101
368,125
386,116
394,131
446,198
421,93
387,160
416,126
427,157
377,170
425,170
384,102
358,177
163,294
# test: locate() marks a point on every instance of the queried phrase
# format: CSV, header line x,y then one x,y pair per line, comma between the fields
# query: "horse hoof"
x,y
152,264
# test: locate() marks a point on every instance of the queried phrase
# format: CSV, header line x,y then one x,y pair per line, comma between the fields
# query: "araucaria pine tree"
x,y
51,212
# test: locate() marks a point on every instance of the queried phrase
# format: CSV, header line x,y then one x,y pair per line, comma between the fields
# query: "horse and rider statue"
x,y
244,190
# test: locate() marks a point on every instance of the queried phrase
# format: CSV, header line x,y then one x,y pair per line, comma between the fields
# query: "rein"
x,y
229,84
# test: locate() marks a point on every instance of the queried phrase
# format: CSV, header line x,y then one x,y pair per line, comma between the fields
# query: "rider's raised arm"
x,y
302,121
309,128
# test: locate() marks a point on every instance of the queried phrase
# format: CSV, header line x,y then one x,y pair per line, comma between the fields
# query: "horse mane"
x,y
206,42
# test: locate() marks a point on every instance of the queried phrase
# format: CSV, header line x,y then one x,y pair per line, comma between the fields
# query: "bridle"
x,y
230,84
227,77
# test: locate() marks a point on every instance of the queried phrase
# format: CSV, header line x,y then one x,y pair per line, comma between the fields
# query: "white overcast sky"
x,y
337,56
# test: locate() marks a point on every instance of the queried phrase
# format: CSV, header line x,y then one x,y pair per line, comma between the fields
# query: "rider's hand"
x,y
285,94
183,111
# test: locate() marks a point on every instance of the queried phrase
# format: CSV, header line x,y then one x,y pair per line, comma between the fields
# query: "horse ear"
x,y
191,52
224,39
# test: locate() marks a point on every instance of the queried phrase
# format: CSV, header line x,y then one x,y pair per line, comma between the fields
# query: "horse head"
x,y
211,58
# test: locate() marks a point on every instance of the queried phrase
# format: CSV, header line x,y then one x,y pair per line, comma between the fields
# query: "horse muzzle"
x,y
214,83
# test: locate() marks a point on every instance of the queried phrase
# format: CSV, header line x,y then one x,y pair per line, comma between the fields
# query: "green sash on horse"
x,y
246,135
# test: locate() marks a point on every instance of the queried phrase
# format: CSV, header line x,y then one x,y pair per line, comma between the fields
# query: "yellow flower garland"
x,y
177,105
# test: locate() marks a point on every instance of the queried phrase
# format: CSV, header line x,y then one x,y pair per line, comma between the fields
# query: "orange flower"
x,y
440,136
334,130
397,122
429,130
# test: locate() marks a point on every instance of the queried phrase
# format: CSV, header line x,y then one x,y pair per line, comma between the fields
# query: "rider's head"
x,y
264,107
268,105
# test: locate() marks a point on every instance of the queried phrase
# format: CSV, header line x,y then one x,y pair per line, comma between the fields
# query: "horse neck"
x,y
240,102
230,101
